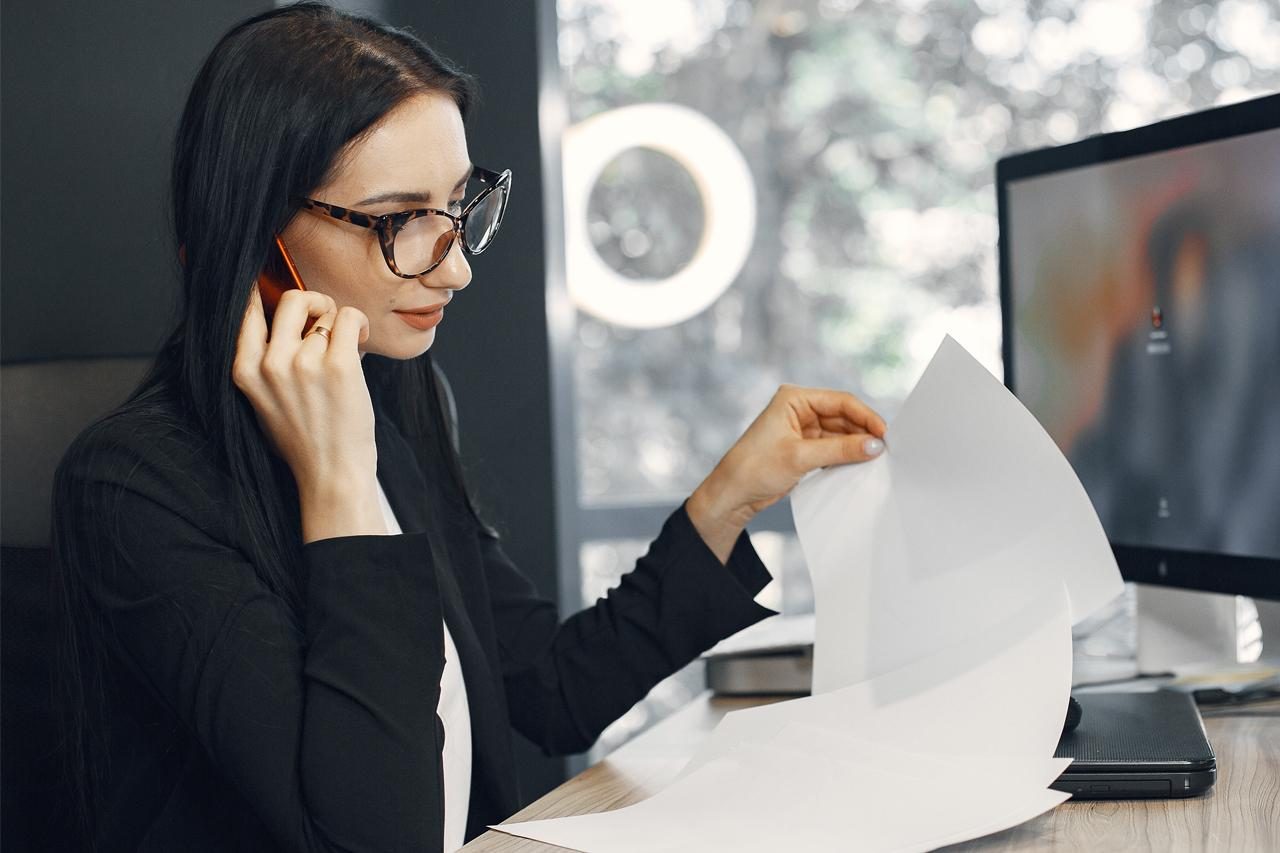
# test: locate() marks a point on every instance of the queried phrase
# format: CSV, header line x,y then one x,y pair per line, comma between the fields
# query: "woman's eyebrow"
x,y
425,198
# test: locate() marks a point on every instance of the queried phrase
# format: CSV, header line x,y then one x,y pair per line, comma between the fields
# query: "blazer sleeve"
x,y
326,724
565,682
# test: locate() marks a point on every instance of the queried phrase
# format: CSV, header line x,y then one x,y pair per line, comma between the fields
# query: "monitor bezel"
x,y
1207,571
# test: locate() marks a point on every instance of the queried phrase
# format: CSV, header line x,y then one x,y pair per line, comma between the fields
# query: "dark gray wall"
x,y
92,94
494,343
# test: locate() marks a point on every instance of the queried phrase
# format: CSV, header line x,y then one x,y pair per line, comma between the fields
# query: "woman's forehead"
x,y
420,146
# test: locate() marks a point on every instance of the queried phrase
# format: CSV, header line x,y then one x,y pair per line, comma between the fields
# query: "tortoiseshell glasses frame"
x,y
389,225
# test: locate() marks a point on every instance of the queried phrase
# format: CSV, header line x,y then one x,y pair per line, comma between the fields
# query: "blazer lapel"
x,y
401,480
408,494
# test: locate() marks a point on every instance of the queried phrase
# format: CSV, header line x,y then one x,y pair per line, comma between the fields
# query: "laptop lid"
x,y
1137,745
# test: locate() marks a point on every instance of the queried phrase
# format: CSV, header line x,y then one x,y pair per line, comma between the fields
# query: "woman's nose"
x,y
454,272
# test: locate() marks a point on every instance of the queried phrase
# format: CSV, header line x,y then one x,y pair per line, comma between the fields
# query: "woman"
x,y
286,626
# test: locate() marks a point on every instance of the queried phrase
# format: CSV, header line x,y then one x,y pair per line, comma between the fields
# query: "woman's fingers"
x,y
840,450
823,402
826,426
836,428
350,329
295,309
318,343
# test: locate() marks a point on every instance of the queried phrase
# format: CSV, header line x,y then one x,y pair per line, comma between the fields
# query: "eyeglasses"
x,y
414,242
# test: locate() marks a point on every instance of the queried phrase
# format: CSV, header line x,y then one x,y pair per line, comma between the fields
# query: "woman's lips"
x,y
423,320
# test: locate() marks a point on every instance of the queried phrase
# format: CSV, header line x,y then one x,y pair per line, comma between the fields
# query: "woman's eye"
x,y
455,207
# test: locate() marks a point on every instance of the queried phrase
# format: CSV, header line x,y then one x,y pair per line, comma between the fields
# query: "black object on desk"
x,y
1074,714
1135,746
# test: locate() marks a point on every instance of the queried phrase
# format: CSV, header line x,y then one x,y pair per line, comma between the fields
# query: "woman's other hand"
x,y
311,400
801,429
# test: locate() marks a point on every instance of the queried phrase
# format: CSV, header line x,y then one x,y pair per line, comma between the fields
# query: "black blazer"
x,y
234,726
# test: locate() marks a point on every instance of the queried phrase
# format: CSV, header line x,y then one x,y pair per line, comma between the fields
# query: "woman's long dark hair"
x,y
267,121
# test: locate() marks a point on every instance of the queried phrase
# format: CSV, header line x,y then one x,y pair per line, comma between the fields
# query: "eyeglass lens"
x,y
423,242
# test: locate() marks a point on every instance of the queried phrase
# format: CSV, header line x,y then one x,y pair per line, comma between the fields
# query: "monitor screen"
x,y
1142,302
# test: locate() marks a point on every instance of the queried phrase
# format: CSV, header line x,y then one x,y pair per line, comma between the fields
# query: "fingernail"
x,y
872,446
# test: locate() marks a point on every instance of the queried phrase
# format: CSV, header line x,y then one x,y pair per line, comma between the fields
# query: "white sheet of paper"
x,y
776,632
842,746
1004,692
970,509
761,784
766,799
749,802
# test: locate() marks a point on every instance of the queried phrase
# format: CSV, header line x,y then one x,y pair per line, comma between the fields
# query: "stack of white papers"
x,y
947,575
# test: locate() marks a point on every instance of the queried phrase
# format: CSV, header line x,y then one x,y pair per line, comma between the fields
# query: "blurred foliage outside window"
x,y
872,130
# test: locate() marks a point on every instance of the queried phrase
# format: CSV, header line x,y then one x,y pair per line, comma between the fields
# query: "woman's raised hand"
x,y
801,429
311,400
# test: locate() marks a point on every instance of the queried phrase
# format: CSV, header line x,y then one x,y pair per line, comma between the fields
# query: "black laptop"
x,y
1137,745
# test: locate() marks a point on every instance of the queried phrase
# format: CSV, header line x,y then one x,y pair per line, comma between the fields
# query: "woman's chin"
x,y
422,344
404,346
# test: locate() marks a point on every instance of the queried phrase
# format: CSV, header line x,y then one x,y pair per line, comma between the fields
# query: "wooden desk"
x,y
1240,813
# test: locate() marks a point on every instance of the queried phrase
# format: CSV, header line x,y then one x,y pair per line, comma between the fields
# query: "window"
x,y
828,168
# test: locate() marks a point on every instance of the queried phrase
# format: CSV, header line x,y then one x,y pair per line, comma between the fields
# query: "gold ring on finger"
x,y
324,330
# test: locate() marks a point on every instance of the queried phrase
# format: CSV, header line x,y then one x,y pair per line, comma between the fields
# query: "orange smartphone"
x,y
278,275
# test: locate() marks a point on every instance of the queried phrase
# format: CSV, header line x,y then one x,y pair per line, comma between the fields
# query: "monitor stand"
x,y
1177,627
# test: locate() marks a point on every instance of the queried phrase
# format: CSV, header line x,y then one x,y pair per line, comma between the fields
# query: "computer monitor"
x,y
1140,292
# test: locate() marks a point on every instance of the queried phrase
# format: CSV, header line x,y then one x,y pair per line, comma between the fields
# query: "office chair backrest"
x,y
43,406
